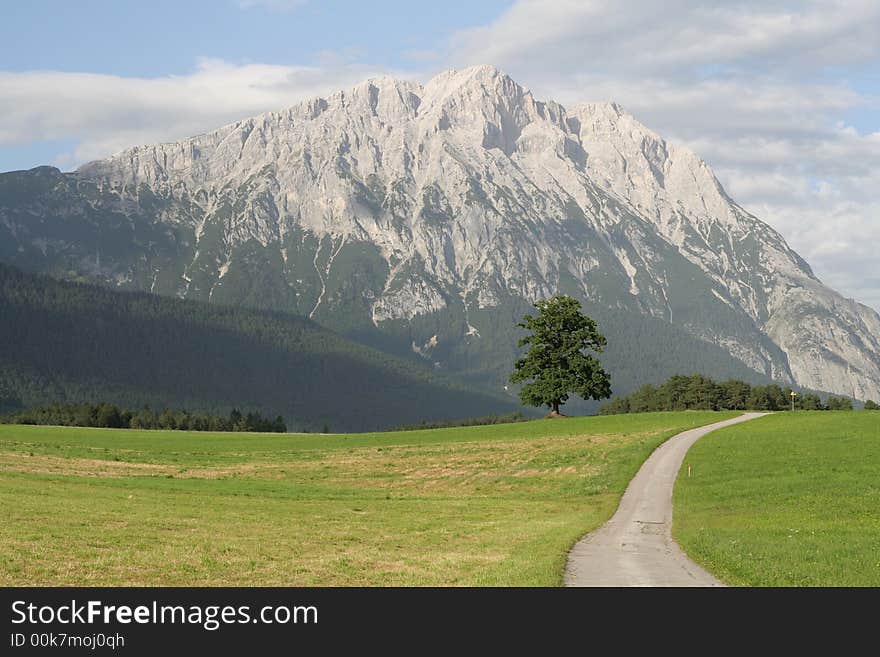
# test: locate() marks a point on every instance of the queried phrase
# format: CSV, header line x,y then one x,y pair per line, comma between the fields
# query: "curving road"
x,y
635,547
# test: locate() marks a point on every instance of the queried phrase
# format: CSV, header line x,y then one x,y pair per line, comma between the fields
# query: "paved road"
x,y
635,547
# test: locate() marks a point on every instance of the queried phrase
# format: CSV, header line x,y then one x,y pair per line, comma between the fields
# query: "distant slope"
x,y
640,349
72,342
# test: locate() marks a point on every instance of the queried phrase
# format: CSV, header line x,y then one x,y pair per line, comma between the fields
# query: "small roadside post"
x,y
793,395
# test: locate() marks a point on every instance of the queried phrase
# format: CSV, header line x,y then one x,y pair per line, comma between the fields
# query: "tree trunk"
x,y
554,412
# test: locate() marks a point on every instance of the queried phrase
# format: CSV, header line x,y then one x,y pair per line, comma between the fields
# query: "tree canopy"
x,y
556,363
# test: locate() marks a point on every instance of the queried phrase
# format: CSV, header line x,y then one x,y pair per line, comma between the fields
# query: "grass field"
x,y
484,505
785,500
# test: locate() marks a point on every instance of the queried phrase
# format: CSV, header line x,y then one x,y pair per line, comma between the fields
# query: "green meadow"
x,y
489,505
791,499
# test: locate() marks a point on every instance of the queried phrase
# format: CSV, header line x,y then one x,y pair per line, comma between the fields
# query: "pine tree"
x,y
735,394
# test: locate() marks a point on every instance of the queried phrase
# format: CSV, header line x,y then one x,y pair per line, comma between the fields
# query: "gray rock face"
x,y
395,202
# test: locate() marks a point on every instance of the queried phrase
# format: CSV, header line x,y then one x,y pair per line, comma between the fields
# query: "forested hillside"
x,y
74,343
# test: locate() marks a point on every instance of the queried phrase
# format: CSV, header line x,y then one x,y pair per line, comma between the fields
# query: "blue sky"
x,y
164,37
781,97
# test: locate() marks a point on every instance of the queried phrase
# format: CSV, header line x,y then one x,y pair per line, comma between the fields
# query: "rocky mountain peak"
x,y
426,206
485,77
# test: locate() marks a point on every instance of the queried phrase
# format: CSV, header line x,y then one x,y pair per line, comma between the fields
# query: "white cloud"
x,y
107,113
645,36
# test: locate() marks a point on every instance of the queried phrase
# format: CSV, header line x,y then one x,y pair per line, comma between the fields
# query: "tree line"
x,y
110,416
699,392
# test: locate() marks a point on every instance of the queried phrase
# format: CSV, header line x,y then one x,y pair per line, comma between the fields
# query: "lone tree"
x,y
555,364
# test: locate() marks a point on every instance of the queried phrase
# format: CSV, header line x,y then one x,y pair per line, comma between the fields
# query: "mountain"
x,y
424,219
70,342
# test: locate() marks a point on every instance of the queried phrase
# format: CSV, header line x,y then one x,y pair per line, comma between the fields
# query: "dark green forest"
x,y
74,343
110,416
698,392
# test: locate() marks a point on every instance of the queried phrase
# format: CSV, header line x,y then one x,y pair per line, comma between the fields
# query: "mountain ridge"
x,y
402,212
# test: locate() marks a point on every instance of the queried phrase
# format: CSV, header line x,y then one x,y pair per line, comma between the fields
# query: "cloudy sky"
x,y
782,98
